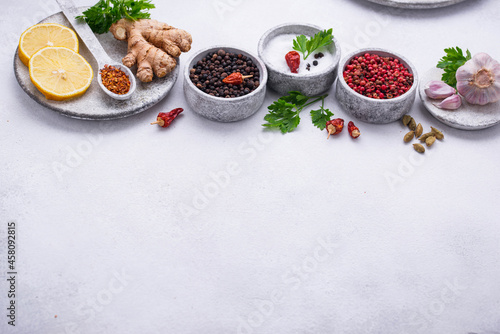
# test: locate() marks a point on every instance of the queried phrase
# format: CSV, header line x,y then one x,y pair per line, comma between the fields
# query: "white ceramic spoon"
x,y
95,48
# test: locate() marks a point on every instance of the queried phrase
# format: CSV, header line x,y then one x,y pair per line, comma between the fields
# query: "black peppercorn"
x,y
208,73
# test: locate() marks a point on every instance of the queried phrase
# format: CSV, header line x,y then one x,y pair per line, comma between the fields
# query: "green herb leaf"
x,y
284,113
320,116
296,98
308,46
103,14
451,62
300,44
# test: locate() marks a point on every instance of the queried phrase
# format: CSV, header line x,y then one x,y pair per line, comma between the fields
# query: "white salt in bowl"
x,y
280,77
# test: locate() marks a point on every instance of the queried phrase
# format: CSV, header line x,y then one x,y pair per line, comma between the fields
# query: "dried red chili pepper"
x,y
353,130
293,61
235,78
335,126
165,119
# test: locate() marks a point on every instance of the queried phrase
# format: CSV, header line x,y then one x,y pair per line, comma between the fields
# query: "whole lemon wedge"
x,y
60,73
45,34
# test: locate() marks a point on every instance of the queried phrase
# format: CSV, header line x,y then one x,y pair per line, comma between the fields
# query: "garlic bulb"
x,y
478,80
438,90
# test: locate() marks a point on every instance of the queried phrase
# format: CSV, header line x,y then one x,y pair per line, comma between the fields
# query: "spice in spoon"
x,y
115,80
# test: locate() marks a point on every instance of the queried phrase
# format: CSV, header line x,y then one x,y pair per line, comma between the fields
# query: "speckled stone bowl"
x,y
372,110
224,109
309,83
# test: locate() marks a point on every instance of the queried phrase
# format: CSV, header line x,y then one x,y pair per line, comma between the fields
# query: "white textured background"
x,y
306,236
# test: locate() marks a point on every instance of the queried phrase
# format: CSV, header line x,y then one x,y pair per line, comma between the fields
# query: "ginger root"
x,y
153,45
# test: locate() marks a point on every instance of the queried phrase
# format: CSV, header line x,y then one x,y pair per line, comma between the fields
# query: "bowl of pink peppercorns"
x,y
376,85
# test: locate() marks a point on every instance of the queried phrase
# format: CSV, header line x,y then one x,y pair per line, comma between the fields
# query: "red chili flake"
x,y
335,126
353,130
378,77
165,119
115,80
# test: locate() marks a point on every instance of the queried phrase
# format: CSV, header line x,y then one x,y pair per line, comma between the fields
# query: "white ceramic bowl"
x,y
373,110
307,83
219,108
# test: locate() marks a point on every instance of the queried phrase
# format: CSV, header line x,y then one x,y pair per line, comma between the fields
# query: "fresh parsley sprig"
x,y
103,14
308,46
321,116
284,113
451,62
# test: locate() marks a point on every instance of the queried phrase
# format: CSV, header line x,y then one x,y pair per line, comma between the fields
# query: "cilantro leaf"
x,y
104,13
320,117
308,46
451,62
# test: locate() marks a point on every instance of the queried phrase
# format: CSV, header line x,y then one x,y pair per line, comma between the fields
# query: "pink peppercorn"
x,y
378,77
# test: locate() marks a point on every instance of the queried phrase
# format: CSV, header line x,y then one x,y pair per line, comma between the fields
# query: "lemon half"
x,y
60,73
45,34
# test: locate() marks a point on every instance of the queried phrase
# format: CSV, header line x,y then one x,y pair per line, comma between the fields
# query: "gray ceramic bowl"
x,y
309,83
224,109
371,110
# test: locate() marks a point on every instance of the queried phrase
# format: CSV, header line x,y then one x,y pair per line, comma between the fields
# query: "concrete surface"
x,y
208,227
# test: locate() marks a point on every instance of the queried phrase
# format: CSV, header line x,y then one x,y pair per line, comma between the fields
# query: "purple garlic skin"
x,y
439,90
478,80
451,103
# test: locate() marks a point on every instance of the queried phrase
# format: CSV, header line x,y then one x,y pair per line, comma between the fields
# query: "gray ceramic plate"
x,y
417,4
467,117
95,104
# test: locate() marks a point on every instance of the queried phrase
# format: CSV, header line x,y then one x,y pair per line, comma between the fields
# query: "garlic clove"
x,y
438,90
484,60
495,93
472,94
450,103
466,72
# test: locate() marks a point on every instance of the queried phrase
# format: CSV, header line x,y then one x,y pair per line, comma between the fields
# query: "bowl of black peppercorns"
x,y
225,84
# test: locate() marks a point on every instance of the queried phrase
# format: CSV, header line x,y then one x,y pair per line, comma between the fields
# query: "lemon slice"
x,y
45,34
60,73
